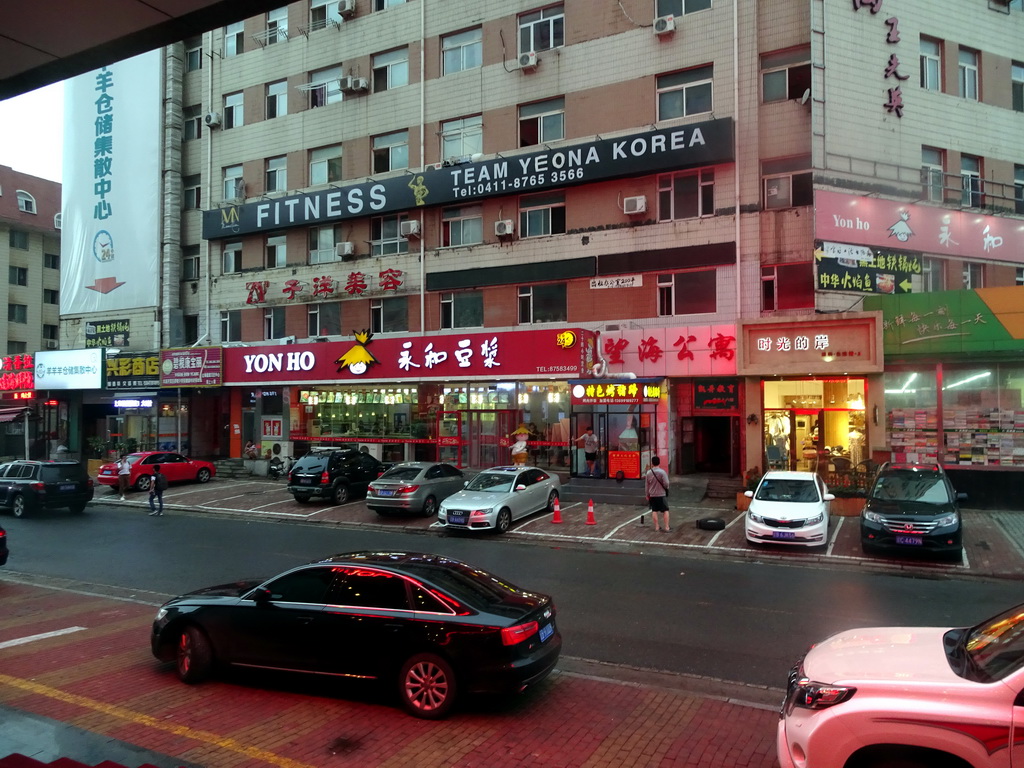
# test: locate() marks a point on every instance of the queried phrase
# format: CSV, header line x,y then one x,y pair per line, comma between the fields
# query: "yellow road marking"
x,y
148,720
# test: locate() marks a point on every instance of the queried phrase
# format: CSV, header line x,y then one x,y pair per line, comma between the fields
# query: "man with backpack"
x,y
156,492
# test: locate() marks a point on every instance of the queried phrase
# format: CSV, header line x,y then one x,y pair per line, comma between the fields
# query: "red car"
x,y
178,469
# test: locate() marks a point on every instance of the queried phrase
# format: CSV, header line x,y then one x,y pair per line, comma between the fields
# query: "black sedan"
x,y
428,625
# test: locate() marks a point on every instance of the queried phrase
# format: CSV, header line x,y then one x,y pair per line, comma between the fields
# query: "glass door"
x,y
451,437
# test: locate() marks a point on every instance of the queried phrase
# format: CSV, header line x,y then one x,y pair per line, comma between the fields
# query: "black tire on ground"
x,y
340,494
429,507
203,475
711,524
18,507
193,656
427,686
868,549
77,509
302,499
143,483
504,521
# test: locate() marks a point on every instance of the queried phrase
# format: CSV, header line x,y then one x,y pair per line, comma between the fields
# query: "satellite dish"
x,y
806,97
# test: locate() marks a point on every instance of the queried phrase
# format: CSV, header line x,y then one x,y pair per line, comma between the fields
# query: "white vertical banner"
x,y
110,245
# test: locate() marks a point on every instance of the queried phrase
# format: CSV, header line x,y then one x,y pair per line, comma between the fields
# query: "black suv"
x,y
912,507
28,486
333,474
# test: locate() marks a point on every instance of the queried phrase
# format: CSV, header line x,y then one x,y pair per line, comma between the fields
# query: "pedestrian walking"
x,y
656,487
124,474
591,445
156,492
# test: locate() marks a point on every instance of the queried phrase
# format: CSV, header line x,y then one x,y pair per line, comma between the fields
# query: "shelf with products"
x,y
983,436
913,435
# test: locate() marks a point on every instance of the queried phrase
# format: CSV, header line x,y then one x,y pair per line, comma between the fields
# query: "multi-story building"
x,y
463,215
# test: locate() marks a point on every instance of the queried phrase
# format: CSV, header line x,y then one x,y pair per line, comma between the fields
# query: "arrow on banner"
x,y
905,285
105,284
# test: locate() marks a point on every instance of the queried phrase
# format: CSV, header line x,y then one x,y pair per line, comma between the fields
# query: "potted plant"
x,y
97,445
750,480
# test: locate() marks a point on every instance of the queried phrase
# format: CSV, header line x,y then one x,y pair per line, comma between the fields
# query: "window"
x,y
1017,86
277,174
974,275
190,262
385,235
542,303
371,589
58,220
191,328
232,258
785,75
26,203
324,319
231,325
234,186
968,74
51,260
462,226
325,165
17,313
389,315
391,152
322,13
462,137
390,70
786,286
325,86
787,182
17,347
51,332
233,111
1018,188
542,30
18,239
17,275
931,64
234,38
462,51
51,296
462,310
542,214
381,5
932,275
688,293
321,245
933,174
277,99
273,322
191,193
1020,275
193,55
970,175
685,93
541,122
686,195
681,7
192,123
277,26
276,251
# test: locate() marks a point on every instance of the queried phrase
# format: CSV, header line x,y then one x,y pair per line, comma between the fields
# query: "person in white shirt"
x,y
591,445
124,472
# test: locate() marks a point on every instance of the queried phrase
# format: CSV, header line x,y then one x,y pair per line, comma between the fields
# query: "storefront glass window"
x,y
983,415
912,420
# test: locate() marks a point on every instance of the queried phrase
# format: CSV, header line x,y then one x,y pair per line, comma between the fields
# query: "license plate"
x,y
385,493
783,535
108,471
913,541
305,481
67,487
457,519
546,631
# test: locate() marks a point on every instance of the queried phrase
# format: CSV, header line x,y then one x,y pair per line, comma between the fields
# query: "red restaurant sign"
x,y
194,367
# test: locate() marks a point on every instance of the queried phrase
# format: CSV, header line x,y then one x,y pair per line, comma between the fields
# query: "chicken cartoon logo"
x,y
901,229
358,358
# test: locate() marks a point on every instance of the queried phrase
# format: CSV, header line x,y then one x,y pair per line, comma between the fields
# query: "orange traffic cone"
x,y
557,517
590,513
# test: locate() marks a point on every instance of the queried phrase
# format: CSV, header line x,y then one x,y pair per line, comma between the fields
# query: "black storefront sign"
x,y
667,149
108,333
888,272
133,371
716,394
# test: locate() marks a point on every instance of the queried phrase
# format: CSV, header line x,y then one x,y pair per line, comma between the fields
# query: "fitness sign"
x,y
667,149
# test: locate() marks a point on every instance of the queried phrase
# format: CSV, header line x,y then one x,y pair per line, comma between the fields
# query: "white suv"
x,y
909,697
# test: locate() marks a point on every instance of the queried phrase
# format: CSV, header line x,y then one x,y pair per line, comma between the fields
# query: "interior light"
x,y
975,377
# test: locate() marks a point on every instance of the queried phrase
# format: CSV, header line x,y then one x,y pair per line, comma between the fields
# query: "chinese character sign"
x,y
676,351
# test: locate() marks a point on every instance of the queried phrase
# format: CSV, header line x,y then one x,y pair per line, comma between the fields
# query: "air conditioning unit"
x,y
344,249
346,7
504,228
409,228
351,83
633,205
664,25
212,119
52,343
286,340
528,61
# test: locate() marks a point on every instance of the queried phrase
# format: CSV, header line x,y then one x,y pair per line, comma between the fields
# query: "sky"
x,y
32,132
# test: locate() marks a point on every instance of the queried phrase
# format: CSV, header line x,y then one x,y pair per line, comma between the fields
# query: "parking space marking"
x,y
233,511
42,636
835,536
730,524
140,718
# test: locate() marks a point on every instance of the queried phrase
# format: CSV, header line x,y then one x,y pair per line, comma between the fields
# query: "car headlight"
x,y
754,518
160,614
947,520
815,520
810,695
872,517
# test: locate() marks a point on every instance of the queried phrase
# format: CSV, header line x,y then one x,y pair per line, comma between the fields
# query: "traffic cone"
x,y
557,517
590,513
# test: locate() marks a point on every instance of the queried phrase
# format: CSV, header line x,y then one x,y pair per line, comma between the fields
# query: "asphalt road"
x,y
741,622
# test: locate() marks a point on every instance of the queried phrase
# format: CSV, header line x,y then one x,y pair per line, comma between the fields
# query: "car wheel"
x,y
504,521
203,475
77,509
194,656
302,499
427,686
429,507
901,761
340,494
143,483
18,506
552,498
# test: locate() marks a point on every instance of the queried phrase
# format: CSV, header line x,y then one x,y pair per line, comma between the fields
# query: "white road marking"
x,y
43,636
831,544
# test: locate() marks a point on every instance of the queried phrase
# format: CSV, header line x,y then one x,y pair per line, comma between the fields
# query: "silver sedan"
x,y
414,486
496,497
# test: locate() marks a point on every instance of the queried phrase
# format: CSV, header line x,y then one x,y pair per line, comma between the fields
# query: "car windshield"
x,y
401,473
60,472
794,491
996,646
925,488
312,463
474,587
491,482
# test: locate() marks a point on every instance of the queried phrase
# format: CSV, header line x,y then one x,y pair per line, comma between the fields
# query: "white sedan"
x,y
789,508
497,496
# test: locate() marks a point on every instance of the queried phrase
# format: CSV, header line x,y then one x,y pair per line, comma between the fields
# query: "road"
x,y
734,621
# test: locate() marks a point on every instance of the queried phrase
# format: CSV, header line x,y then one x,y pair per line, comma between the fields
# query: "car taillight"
x,y
407,489
38,486
518,633
89,483
325,478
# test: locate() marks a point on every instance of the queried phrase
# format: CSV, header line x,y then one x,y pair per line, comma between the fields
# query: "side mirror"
x,y
749,494
520,487
465,483
829,496
261,596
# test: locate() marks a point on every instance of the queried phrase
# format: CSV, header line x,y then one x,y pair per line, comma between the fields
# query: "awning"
x,y
10,414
